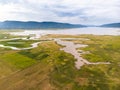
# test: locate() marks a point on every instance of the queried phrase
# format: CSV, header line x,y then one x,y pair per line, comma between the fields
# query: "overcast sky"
x,y
71,11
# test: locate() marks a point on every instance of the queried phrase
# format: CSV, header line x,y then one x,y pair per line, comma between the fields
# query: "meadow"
x,y
46,67
19,43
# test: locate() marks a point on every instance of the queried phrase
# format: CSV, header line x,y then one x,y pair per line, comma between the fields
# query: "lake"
x,y
75,31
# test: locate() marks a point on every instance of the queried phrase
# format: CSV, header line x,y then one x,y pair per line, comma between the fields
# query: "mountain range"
x,y
47,25
36,25
115,25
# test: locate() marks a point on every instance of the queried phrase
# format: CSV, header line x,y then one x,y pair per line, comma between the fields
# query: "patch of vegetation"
x,y
103,49
19,43
5,34
62,64
4,67
17,61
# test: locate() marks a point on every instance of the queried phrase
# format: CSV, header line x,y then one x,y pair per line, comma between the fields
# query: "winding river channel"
x,y
34,45
71,48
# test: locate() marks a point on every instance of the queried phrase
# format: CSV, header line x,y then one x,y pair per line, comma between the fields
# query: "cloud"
x,y
72,11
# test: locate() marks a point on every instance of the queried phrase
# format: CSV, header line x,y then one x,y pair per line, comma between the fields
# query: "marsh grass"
x,y
19,43
48,67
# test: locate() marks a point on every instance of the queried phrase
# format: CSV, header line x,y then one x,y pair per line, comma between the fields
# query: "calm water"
x,y
90,30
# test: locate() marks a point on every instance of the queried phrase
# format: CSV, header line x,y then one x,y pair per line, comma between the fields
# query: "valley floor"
x,y
49,67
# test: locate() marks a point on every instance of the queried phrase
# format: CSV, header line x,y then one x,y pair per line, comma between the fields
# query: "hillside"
x,y
36,25
117,25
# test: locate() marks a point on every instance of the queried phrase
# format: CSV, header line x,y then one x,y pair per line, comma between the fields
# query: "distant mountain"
x,y
116,25
36,25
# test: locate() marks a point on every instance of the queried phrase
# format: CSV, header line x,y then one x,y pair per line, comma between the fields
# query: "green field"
x,y
5,34
48,68
19,43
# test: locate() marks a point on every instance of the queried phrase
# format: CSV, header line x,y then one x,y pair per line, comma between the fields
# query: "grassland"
x,y
19,43
48,68
5,34
49,59
102,49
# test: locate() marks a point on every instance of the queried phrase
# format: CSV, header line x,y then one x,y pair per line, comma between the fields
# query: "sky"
x,y
88,12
